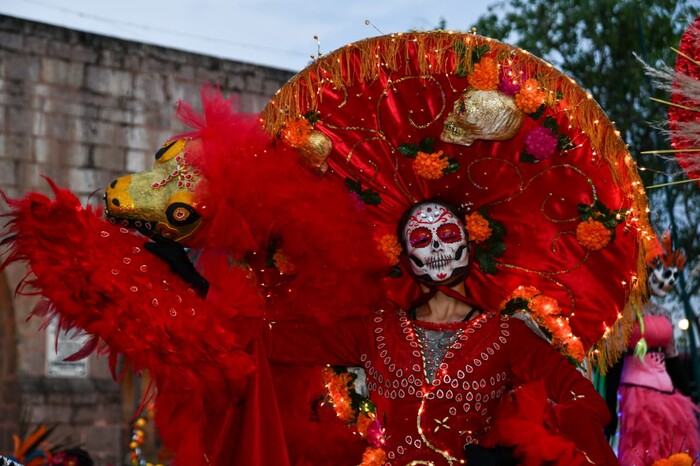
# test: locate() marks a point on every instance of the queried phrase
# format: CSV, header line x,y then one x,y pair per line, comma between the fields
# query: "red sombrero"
x,y
494,130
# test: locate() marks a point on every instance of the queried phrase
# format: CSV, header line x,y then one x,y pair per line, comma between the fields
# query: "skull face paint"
x,y
436,243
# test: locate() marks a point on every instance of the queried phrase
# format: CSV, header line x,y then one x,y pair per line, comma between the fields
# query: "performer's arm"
x,y
579,413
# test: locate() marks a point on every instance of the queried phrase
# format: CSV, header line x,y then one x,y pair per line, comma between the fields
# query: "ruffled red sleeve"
x,y
555,414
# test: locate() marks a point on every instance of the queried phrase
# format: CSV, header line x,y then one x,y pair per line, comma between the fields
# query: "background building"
x,y
84,109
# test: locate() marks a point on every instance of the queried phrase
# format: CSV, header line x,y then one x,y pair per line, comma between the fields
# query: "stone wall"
x,y
83,109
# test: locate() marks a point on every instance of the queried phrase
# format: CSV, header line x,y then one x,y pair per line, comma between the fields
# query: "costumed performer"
x,y
436,370
657,418
301,202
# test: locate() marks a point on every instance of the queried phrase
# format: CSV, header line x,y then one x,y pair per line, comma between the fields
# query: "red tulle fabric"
x,y
256,192
680,118
526,421
97,276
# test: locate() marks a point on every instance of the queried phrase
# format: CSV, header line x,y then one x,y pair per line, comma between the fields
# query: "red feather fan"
x,y
102,280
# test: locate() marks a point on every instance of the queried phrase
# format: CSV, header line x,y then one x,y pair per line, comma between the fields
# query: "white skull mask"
x,y
662,279
436,243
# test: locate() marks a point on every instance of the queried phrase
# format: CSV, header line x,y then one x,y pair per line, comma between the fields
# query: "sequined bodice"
x,y
433,385
435,344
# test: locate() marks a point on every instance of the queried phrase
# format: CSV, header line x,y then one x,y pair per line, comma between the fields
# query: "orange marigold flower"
x,y
283,264
525,292
575,349
544,305
297,132
530,97
559,328
389,245
593,235
680,459
430,166
373,457
344,410
485,75
662,462
477,227
363,422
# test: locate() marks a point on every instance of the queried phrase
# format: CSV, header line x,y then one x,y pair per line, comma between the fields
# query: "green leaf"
x,y
478,52
564,142
409,150
527,158
452,166
312,116
396,272
497,249
370,197
585,211
427,145
551,123
487,265
537,114
462,71
353,186
497,229
602,208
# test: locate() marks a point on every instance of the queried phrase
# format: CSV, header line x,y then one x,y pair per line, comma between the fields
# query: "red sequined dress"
x,y
430,412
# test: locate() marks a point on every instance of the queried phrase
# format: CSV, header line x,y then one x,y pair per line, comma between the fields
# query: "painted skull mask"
x,y
662,279
436,243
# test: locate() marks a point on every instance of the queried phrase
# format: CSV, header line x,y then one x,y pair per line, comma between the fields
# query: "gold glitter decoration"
x,y
487,115
316,150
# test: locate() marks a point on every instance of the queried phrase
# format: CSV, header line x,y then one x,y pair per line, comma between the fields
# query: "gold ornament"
x,y
316,150
477,114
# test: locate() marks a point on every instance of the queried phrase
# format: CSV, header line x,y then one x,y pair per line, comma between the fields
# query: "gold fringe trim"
x,y
372,58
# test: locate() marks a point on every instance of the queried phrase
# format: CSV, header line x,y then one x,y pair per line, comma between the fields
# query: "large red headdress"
x,y
553,197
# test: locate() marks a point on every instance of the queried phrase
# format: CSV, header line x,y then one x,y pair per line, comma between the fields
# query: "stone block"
x,y
28,174
19,120
254,83
109,81
35,45
83,54
149,87
101,438
109,157
141,138
59,49
8,172
138,160
58,126
85,180
235,82
93,131
61,72
44,150
11,41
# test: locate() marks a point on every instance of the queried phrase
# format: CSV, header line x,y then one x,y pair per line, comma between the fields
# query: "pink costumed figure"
x,y
656,419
